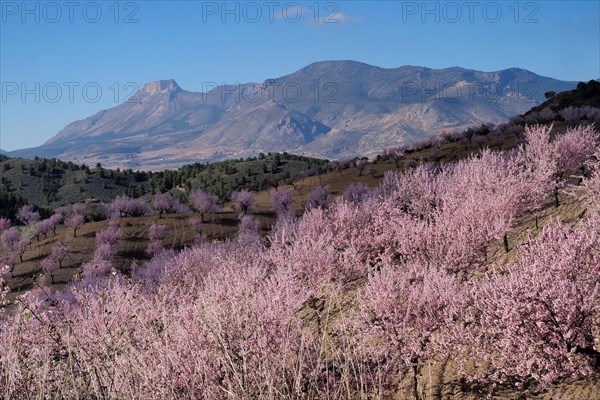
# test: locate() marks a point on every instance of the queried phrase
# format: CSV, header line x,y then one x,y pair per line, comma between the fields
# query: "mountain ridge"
x,y
333,109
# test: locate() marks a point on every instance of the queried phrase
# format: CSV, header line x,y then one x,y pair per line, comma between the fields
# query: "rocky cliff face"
x,y
332,109
164,86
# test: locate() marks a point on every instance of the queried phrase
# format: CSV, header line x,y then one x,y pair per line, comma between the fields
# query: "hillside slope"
x,y
52,183
448,282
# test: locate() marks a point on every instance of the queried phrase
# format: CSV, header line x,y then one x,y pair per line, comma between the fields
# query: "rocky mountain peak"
x,y
166,85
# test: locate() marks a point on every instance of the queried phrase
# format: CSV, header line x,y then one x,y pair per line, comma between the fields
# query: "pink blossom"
x,y
204,202
44,227
537,321
282,201
110,235
10,235
70,210
345,301
124,206
105,251
5,224
319,197
157,233
96,269
5,274
356,192
59,252
27,215
49,266
165,203
75,222
243,201
401,311
574,147
248,230
155,247
20,248
571,114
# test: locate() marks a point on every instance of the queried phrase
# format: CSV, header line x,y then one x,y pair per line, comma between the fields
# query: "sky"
x,y
62,61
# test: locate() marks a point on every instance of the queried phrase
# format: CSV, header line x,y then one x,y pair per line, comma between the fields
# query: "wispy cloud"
x,y
333,17
327,15
354,19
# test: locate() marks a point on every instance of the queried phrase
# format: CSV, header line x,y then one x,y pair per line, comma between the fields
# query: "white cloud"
x,y
331,18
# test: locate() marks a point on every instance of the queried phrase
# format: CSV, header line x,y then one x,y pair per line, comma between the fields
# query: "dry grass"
x,y
131,248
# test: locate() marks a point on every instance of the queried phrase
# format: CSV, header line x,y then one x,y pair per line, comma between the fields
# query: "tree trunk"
x,y
506,243
590,352
415,382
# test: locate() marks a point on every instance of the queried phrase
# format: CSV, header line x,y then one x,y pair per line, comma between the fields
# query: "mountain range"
x,y
330,109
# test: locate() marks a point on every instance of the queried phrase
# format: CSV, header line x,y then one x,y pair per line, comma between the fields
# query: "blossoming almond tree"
x,y
110,235
282,201
60,251
4,224
49,266
204,202
319,197
157,233
75,222
243,201
538,322
124,206
28,215
165,203
401,310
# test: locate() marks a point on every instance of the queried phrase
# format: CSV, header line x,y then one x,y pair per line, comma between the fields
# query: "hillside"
x,y
224,225
331,109
585,94
321,307
51,183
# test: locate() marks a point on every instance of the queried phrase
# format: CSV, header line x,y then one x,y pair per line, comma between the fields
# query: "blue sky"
x,y
62,61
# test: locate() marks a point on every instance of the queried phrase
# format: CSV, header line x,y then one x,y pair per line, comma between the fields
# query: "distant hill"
x,y
52,183
331,109
585,94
